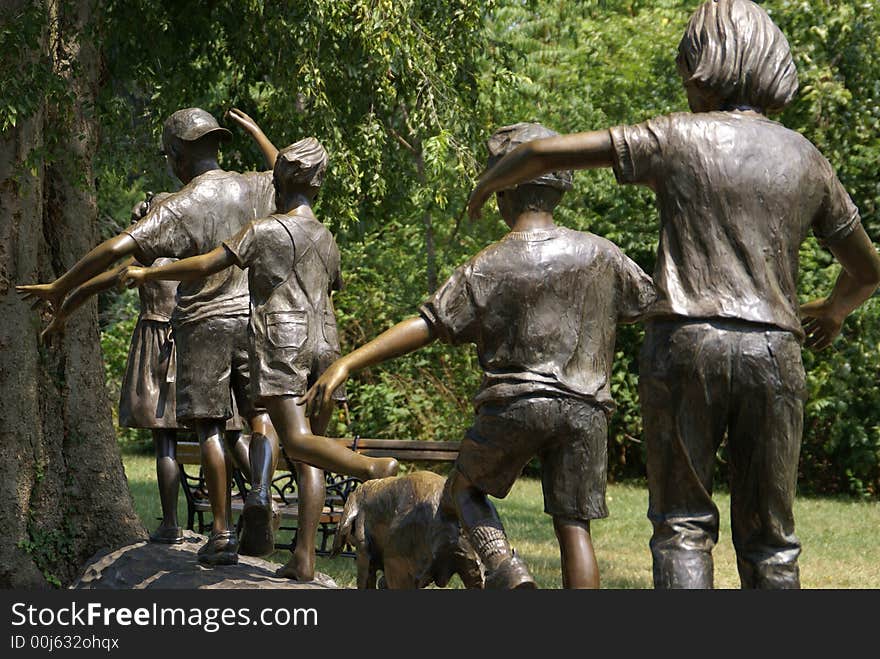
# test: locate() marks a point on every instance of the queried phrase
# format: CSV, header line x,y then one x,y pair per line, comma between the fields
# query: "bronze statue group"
x,y
254,331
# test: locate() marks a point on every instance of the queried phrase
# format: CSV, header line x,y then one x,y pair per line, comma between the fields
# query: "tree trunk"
x,y
63,491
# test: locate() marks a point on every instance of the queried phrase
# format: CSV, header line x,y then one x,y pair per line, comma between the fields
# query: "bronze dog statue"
x,y
396,527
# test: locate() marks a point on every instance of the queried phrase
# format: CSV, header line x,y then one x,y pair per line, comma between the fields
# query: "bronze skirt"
x,y
148,392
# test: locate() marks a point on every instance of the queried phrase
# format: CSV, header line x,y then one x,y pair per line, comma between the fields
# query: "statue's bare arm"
x,y
532,159
103,282
405,337
194,267
823,318
91,265
270,153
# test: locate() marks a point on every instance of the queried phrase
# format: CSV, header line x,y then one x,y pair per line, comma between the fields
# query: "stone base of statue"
x,y
152,565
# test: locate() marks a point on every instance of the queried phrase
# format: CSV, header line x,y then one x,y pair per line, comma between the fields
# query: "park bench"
x,y
284,490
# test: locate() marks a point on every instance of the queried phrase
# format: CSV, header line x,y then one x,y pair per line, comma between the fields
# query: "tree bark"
x,y
63,491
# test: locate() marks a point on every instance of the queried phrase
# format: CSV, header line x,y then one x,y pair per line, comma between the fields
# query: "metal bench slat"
x,y
189,453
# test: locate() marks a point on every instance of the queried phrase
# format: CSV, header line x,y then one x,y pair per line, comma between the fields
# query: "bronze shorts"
x,y
212,367
568,435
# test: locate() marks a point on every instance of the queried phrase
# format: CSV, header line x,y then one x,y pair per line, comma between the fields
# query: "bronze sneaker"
x,y
167,535
257,533
221,549
511,574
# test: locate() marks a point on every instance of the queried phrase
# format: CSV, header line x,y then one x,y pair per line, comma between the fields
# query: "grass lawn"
x,y
841,537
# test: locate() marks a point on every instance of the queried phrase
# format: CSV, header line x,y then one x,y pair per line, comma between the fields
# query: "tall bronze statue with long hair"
x,y
737,194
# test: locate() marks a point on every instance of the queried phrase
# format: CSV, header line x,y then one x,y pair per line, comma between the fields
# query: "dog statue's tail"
x,y
343,529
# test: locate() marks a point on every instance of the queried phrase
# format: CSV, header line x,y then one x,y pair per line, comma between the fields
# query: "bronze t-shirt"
x,y
209,209
293,265
737,195
542,308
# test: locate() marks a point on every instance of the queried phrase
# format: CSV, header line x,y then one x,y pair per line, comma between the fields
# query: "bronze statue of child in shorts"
x,y
542,306
210,319
148,391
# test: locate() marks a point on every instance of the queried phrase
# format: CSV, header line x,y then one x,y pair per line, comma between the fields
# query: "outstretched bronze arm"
x,y
532,159
250,126
194,267
405,337
91,265
103,282
823,318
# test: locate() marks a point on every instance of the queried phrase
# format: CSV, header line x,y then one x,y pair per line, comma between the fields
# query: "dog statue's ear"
x,y
350,512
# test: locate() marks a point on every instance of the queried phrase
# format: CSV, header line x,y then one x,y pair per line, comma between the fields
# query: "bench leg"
x,y
187,494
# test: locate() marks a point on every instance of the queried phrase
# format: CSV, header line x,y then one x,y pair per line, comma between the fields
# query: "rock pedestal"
x,y
152,565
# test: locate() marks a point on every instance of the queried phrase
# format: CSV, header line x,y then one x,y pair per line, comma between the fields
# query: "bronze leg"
x,y
579,567
167,474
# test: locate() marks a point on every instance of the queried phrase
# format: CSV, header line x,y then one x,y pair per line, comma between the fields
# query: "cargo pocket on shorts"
x,y
287,329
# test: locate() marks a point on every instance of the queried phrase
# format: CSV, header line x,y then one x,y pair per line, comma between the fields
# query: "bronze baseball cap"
x,y
507,138
191,124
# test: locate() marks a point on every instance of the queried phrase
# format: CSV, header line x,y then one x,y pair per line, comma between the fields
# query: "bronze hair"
x,y
733,51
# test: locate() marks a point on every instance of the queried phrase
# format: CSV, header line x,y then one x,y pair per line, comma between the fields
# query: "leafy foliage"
x,y
404,94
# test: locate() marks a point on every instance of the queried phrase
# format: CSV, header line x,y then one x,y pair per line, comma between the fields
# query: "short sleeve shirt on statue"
x,y
209,209
293,265
737,194
210,319
542,308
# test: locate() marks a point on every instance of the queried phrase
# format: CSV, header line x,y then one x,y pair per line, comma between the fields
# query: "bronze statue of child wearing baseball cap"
x,y
147,394
211,316
542,306
293,265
